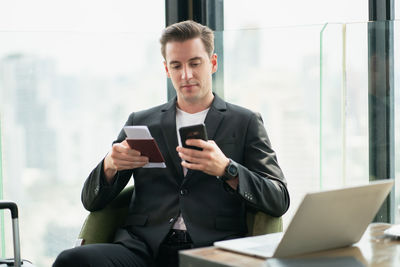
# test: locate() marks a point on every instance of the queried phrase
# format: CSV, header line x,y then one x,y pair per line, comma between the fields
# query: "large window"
x,y
310,83
70,74
265,72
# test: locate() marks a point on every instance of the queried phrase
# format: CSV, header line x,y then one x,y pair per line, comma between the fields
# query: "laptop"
x,y
323,220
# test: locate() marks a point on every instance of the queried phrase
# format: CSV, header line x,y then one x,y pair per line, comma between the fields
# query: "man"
x,y
201,196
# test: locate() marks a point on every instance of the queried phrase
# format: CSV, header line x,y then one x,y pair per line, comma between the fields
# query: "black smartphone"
x,y
197,131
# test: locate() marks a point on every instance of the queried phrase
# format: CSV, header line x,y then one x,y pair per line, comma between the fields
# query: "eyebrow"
x,y
192,59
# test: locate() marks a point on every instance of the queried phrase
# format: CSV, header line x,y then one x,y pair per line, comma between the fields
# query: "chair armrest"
x,y
100,226
259,223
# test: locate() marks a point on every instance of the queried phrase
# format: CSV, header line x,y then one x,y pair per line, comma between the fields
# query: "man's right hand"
x,y
122,157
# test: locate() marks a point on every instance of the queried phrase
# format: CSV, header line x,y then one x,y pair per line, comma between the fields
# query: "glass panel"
x,y
276,72
331,104
64,97
2,238
344,102
396,30
355,104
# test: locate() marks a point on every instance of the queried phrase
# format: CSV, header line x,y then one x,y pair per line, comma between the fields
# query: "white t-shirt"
x,y
186,119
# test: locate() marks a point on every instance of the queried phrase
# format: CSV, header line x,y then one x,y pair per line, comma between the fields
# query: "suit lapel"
x,y
215,116
168,128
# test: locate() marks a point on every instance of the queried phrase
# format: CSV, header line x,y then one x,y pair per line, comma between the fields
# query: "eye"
x,y
175,66
195,64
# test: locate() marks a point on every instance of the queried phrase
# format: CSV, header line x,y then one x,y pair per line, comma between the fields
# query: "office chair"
x,y
100,226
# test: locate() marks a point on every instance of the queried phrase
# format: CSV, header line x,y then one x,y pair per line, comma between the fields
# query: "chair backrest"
x,y
100,226
259,223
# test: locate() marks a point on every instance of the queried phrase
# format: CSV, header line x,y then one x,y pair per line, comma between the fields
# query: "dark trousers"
x,y
168,254
117,255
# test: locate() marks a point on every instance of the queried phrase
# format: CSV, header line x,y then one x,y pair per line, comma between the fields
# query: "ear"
x,y
214,63
166,69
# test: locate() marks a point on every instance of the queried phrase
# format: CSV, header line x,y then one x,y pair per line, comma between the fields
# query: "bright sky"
x,y
131,15
78,15
261,13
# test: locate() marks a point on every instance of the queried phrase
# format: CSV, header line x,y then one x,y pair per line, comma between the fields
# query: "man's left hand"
x,y
210,160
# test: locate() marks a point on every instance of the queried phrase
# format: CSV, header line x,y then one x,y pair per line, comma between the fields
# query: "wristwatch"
x,y
231,171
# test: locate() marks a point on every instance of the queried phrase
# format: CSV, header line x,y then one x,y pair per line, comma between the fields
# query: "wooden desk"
x,y
373,250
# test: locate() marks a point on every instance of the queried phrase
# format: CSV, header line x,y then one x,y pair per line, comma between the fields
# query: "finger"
x,y
121,147
130,150
127,164
211,142
192,166
125,143
127,159
134,152
127,156
188,158
196,142
201,163
125,149
190,152
193,156
184,149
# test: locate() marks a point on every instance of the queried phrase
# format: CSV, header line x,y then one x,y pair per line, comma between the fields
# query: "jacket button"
x,y
183,192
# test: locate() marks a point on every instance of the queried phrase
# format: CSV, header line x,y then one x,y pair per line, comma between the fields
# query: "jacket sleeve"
x,y
97,192
261,181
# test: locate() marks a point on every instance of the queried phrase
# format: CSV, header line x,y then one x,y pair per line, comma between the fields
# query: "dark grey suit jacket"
x,y
210,208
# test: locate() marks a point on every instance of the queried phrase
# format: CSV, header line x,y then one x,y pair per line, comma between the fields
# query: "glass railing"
x,y
276,72
310,84
65,96
2,237
344,105
352,111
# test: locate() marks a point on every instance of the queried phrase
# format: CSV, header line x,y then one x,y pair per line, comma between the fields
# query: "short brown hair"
x,y
186,30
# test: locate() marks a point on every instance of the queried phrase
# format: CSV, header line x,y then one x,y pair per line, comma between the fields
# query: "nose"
x,y
187,73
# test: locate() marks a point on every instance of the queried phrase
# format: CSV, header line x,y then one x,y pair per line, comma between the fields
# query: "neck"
x,y
195,106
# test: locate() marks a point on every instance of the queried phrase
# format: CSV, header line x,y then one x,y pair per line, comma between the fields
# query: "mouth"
x,y
188,86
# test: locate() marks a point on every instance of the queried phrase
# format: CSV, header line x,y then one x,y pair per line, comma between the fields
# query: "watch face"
x,y
232,170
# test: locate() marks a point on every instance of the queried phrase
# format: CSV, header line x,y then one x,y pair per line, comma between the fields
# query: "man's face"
x,y
190,69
